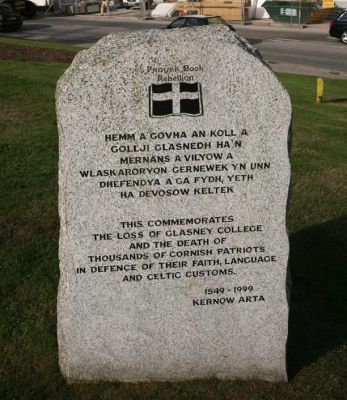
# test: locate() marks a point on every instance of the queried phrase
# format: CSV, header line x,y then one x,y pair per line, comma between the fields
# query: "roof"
x,y
200,16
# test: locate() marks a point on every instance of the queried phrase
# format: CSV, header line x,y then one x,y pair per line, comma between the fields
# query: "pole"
x,y
291,13
143,9
320,90
242,16
149,3
255,9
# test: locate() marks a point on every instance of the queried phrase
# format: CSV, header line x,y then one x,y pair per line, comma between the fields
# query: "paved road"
x,y
311,47
81,30
308,51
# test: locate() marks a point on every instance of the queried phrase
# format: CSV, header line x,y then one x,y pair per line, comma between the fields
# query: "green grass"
x,y
38,43
29,226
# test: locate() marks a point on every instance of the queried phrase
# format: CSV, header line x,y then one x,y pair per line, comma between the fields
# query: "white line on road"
x,y
296,40
310,42
288,40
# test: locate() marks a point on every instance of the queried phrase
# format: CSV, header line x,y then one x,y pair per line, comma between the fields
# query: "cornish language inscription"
x,y
174,176
176,163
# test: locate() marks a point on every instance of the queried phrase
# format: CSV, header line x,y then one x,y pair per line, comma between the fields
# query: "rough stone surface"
x,y
173,244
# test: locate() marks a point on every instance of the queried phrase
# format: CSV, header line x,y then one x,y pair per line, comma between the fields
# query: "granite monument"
x,y
173,185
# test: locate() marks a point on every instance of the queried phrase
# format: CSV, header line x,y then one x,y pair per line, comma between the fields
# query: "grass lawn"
x,y
38,43
29,226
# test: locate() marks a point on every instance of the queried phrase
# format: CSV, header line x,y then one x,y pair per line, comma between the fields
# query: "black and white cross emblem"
x,y
168,99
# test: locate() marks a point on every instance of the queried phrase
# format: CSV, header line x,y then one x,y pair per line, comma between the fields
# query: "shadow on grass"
x,y
343,100
318,314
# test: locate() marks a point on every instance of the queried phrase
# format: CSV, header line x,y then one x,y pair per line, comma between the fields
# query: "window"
x,y
179,23
215,21
196,22
5,7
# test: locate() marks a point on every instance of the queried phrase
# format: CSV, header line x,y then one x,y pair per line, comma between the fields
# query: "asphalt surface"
x,y
292,49
304,47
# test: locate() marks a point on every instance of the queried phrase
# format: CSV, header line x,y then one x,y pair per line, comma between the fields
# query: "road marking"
x,y
296,40
288,40
310,42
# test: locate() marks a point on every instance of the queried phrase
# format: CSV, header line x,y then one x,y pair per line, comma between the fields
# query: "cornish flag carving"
x,y
169,99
